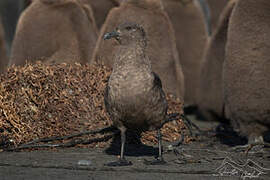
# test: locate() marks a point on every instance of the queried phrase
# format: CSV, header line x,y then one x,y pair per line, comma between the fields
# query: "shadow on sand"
x,y
133,146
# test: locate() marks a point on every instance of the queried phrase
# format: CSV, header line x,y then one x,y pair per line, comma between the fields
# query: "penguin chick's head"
x,y
127,33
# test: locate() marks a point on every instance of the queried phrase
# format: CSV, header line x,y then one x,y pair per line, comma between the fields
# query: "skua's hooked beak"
x,y
109,35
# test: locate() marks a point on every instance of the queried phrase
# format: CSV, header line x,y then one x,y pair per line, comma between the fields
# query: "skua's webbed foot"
x,y
120,162
157,161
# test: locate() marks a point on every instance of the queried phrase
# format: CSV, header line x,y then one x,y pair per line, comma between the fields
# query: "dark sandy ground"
x,y
201,159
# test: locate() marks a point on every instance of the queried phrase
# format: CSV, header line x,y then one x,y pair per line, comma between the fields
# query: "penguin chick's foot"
x,y
120,162
254,145
257,147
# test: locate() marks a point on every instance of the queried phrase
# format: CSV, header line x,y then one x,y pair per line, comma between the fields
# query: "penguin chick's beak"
x,y
110,35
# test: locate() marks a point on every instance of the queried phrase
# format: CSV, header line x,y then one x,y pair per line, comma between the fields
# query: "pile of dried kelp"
x,y
39,101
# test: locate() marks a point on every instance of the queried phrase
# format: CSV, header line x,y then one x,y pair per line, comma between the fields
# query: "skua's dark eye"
x,y
128,28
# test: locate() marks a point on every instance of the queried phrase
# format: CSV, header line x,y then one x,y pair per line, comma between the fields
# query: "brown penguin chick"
x,y
10,11
216,8
3,53
246,77
101,9
161,48
210,96
54,31
205,9
191,38
134,98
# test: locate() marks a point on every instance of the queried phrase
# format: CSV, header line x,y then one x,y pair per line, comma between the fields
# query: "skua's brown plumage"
x,y
161,48
134,98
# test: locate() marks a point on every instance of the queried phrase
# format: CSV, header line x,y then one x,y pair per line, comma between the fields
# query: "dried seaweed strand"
x,y
71,143
57,138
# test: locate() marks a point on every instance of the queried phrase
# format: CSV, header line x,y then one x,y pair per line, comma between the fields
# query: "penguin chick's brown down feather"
x,y
246,77
191,38
3,53
60,31
54,2
210,98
